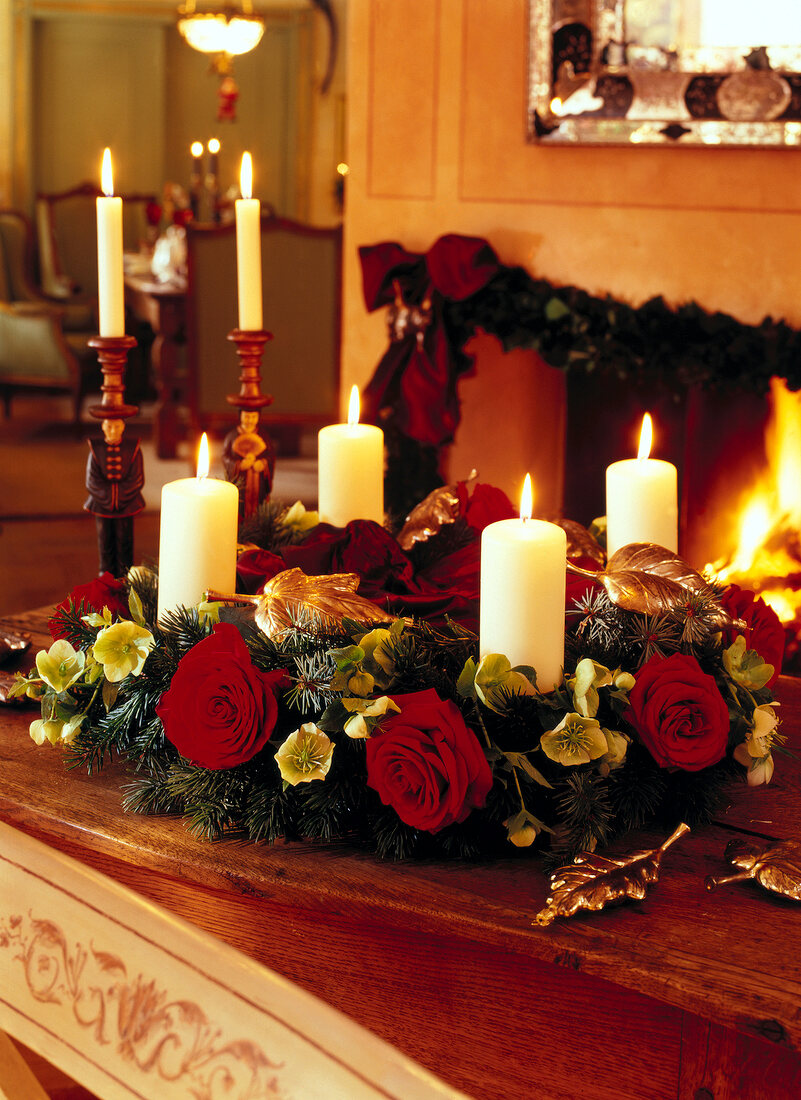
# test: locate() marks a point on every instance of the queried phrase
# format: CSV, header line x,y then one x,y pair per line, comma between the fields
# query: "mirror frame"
x,y
761,92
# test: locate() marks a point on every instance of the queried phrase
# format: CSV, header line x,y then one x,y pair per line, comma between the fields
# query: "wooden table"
x,y
688,995
163,307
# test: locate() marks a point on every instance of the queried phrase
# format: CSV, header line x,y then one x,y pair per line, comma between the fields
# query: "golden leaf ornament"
x,y
440,507
647,578
776,866
291,594
580,542
592,881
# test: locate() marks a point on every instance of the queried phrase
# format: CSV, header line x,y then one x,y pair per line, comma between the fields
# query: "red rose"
x,y
485,505
679,713
103,591
426,764
764,631
220,710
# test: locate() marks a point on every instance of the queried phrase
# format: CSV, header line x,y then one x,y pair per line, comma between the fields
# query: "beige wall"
x,y
437,93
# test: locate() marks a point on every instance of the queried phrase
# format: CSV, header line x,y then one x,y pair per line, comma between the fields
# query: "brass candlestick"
x,y
115,470
248,452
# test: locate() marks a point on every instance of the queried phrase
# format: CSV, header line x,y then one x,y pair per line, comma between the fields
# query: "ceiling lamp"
x,y
227,31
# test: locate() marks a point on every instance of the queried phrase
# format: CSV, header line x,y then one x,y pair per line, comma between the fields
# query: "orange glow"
x,y
769,526
203,457
196,149
106,175
354,407
526,500
246,177
646,436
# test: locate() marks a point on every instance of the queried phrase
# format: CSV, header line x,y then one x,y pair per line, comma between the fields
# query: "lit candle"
x,y
197,540
196,149
350,478
248,251
110,296
642,498
522,610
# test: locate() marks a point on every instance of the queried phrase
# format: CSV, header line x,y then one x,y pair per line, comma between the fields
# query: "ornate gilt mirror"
x,y
665,72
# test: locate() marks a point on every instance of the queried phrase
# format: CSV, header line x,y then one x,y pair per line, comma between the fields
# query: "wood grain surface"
x,y
683,992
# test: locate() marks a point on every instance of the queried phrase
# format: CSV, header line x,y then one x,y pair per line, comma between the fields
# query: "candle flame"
x,y
214,146
203,457
646,436
526,500
196,148
246,177
354,407
106,177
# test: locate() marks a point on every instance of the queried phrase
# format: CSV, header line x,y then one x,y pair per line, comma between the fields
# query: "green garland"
x,y
673,348
100,688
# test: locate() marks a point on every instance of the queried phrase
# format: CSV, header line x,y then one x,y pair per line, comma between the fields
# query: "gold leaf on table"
x,y
776,866
593,881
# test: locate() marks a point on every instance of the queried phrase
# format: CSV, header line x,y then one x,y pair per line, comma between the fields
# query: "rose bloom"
x,y
679,714
763,629
426,764
220,710
103,591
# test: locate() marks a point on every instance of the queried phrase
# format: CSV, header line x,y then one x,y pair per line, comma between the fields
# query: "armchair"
x,y
43,345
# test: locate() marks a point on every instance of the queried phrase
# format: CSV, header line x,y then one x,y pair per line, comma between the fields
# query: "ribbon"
x,y
417,377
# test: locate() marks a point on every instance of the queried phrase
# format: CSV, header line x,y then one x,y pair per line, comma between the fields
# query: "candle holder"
x,y
248,452
115,470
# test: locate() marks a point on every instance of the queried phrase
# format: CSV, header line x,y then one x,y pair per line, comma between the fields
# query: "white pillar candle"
x,y
642,499
110,294
248,251
197,539
522,610
350,465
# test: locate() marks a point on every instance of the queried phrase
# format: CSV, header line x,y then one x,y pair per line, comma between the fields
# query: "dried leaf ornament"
x,y
648,578
580,542
291,594
441,506
775,865
593,881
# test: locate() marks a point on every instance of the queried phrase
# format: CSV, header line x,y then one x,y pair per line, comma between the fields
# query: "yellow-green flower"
x,y
496,679
359,725
122,649
305,755
55,730
755,752
298,518
61,665
576,740
588,678
746,666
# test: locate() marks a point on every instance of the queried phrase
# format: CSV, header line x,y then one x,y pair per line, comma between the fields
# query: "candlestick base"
x,y
115,470
248,452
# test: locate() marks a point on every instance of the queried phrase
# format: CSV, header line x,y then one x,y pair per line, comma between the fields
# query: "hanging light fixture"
x,y
226,31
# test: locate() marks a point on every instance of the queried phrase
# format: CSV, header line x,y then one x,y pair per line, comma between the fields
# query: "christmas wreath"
x,y
315,711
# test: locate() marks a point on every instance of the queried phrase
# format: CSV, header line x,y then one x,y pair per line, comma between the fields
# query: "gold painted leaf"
x,y
775,866
330,598
593,881
647,557
441,506
580,543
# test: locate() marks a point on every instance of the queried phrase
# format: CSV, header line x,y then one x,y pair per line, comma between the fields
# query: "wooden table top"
x,y
733,956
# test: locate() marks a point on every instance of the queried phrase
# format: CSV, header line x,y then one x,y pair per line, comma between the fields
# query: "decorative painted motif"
x,y
170,1038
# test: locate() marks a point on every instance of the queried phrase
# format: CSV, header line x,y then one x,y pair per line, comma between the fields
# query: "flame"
x,y
214,146
353,407
646,437
246,177
196,149
106,175
203,457
768,550
526,500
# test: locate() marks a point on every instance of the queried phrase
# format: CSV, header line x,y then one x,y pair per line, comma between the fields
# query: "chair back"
x,y
302,294
16,257
66,227
132,1002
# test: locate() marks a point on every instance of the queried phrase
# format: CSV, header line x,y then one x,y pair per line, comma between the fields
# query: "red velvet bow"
x,y
418,374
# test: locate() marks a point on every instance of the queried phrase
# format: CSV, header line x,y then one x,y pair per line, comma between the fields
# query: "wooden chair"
x,y
66,228
44,345
132,1002
301,286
